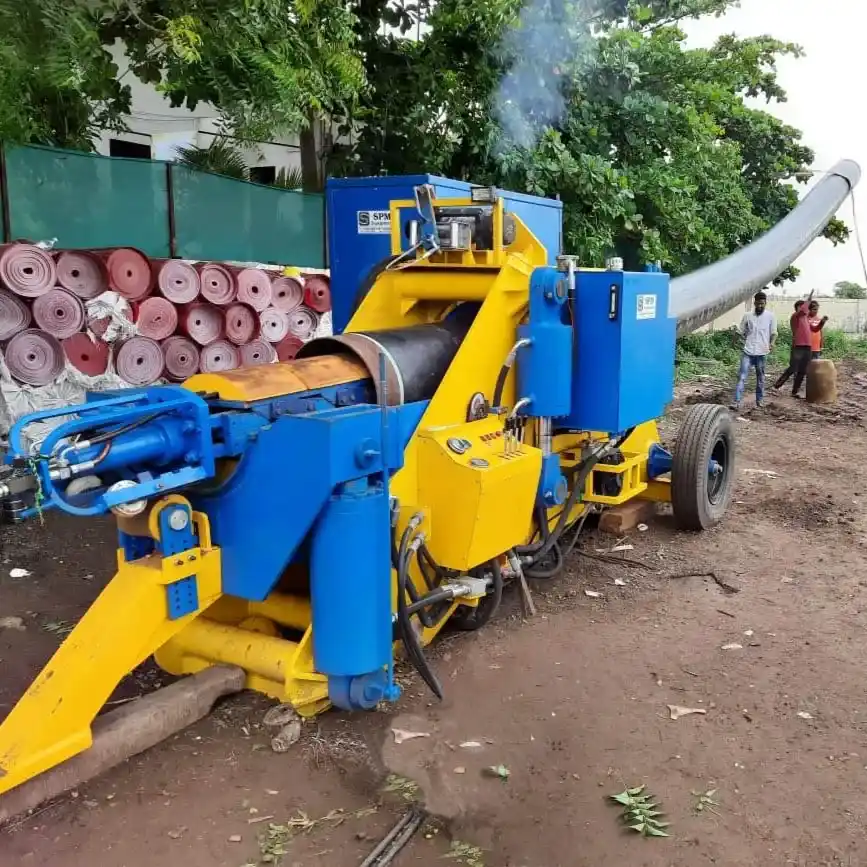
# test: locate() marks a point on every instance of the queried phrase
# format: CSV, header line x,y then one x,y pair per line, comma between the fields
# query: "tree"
x,y
848,289
650,145
267,65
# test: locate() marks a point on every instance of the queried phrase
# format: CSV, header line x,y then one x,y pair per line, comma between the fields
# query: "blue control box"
x,y
624,350
359,226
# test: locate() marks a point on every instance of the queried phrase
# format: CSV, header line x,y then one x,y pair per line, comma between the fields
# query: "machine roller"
x,y
303,520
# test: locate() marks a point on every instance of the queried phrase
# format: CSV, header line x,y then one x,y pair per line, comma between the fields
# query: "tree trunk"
x,y
311,169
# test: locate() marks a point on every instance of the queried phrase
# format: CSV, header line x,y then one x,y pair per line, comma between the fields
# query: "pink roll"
x,y
181,358
286,294
156,318
254,287
129,272
317,293
273,324
257,352
241,324
14,315
176,280
218,283
26,270
218,356
82,273
288,347
303,323
139,361
34,357
202,323
86,354
60,313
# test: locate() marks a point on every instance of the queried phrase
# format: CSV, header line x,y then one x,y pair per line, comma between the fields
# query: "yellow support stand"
x,y
126,624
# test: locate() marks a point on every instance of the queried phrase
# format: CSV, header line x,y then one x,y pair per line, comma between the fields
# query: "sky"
x,y
826,89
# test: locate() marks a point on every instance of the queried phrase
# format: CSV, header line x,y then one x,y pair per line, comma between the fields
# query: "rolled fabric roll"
x,y
26,270
254,287
176,280
60,313
273,324
288,347
218,283
86,354
202,322
156,318
303,323
14,315
181,358
82,273
34,357
257,352
218,356
129,272
317,293
139,361
241,324
286,294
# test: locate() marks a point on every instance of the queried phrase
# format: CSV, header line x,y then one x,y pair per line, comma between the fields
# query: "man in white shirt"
x,y
759,330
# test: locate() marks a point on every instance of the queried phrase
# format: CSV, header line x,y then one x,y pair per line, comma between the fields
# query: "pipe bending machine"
x,y
303,520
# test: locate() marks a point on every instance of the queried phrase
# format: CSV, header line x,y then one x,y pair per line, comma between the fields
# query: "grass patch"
x,y
718,353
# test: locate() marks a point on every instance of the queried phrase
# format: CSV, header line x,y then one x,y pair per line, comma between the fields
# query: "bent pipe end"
x,y
701,296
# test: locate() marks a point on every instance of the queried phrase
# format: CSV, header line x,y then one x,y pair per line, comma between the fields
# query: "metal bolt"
x,y
191,558
179,519
179,562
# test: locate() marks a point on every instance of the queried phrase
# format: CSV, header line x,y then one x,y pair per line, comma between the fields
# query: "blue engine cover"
x,y
359,227
624,350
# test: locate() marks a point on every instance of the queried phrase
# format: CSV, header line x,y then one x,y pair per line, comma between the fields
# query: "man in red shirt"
x,y
802,346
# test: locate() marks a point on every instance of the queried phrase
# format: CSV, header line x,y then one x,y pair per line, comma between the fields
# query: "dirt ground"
x,y
574,703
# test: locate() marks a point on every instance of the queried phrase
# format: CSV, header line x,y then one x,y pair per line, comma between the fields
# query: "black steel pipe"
x,y
417,357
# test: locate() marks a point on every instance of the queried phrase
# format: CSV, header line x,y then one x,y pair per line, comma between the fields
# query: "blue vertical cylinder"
x,y
350,577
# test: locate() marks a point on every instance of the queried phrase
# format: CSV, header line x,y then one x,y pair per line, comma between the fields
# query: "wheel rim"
x,y
718,470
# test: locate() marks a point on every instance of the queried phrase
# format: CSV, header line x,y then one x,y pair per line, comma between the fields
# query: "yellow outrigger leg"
x,y
124,626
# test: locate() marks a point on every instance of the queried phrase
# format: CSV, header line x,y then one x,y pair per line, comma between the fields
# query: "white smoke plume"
x,y
541,50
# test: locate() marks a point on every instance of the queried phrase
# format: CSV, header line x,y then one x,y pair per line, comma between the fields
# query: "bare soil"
x,y
573,703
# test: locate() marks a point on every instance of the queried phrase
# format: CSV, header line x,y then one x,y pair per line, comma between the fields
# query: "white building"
x,y
156,130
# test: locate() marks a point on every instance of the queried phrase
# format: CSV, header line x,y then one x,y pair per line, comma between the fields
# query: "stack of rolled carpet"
x,y
184,317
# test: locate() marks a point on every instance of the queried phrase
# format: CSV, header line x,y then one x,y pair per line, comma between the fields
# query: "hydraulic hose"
x,y
469,619
504,370
408,636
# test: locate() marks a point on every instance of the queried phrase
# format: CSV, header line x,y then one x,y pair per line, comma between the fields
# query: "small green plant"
x,y
640,813
464,853
407,789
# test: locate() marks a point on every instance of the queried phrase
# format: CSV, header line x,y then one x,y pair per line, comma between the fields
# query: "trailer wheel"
x,y
703,467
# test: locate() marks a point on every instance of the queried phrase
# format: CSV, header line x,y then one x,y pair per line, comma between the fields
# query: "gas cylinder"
x,y
821,381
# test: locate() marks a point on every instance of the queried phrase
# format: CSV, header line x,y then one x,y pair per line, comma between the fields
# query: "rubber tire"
x,y
703,426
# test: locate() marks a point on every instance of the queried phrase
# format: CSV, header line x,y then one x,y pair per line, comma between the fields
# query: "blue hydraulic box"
x,y
624,350
359,227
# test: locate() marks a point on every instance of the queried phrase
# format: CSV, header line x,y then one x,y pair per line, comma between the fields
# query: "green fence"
x,y
86,200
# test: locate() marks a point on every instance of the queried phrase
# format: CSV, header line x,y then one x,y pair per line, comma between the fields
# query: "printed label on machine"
x,y
645,307
374,222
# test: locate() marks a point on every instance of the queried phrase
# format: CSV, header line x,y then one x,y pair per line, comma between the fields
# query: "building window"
x,y
134,149
263,174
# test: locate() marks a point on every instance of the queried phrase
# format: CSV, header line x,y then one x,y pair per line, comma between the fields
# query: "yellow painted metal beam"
x,y
124,626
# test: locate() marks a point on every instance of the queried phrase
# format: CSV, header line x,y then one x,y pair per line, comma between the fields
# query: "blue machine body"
x,y
624,350
545,366
359,226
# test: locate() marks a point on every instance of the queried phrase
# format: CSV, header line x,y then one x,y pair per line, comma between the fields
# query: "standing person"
x,y
784,376
759,330
816,326
802,346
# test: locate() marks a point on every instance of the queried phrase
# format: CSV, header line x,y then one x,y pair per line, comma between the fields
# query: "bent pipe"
x,y
698,298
